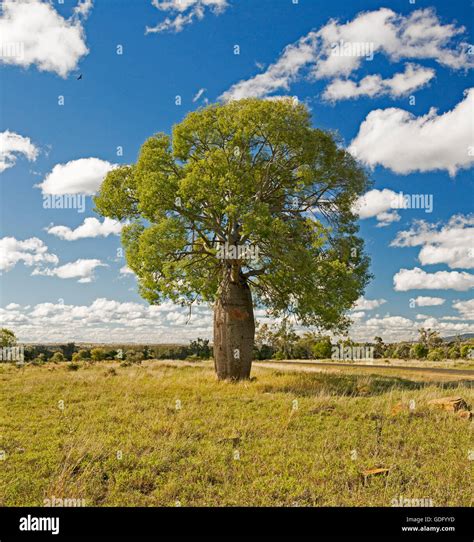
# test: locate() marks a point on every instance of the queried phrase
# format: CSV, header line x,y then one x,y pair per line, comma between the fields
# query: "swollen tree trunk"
x,y
234,330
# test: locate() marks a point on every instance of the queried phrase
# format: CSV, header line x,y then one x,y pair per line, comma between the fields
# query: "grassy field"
x,y
168,434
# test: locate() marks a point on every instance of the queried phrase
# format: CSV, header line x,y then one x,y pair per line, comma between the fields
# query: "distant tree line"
x,y
271,342
282,342
126,353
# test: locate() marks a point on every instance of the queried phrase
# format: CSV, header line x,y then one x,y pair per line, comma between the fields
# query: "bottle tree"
x,y
245,205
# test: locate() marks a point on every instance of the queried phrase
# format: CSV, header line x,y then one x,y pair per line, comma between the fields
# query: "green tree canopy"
x,y
252,174
7,337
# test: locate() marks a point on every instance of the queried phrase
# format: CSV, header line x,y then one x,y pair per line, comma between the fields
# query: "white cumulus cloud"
x,y
278,75
451,243
12,145
184,12
416,36
81,269
398,140
33,33
363,304
82,176
83,8
425,301
399,328
417,279
465,308
125,270
413,78
91,227
379,204
31,252
107,320
333,51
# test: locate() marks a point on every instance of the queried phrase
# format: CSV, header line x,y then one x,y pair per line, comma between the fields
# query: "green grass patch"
x,y
157,434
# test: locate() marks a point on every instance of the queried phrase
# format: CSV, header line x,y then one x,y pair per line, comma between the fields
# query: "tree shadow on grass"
x,y
452,385
308,385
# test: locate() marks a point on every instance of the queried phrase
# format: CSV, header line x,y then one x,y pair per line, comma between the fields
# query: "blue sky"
x,y
59,289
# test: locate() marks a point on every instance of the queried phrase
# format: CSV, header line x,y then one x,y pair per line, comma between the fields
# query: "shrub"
x,y
110,354
82,355
39,360
402,351
310,346
98,354
263,352
32,351
301,350
436,354
68,350
389,351
200,348
454,353
418,351
134,356
465,350
281,338
57,357
322,349
73,366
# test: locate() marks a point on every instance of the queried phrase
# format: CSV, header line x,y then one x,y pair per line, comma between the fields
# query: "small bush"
x,y
73,366
134,356
263,352
322,349
68,350
389,351
200,348
418,351
84,354
454,353
57,357
110,354
436,354
402,351
465,350
98,354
